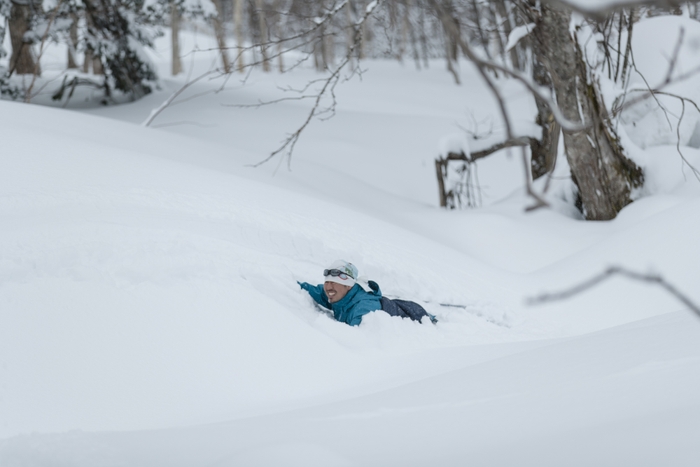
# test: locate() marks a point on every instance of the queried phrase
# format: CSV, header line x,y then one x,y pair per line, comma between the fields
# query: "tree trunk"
x,y
544,151
364,31
87,61
280,26
412,32
328,48
451,28
2,40
320,51
97,67
403,34
604,176
264,37
238,27
22,60
175,39
423,38
218,22
485,41
507,29
73,44
350,37
91,60
496,28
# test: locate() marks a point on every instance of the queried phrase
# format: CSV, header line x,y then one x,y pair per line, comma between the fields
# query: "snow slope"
x,y
149,311
623,396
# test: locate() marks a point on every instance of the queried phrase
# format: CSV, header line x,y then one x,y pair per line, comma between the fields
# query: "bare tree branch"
x,y
667,81
476,155
328,87
481,65
169,100
607,274
600,12
309,37
649,92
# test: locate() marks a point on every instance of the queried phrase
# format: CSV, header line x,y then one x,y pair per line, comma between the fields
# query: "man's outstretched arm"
x,y
317,293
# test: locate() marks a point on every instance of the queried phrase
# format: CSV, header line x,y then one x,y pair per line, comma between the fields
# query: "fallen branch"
x,y
476,155
442,163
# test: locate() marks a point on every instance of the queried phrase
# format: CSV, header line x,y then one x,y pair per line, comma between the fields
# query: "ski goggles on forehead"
x,y
336,273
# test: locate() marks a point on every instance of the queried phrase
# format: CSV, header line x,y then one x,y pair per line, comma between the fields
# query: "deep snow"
x,y
148,282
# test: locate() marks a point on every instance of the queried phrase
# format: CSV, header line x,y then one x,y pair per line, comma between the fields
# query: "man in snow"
x,y
350,300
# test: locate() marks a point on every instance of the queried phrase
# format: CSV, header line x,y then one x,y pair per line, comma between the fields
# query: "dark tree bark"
x,y
73,45
22,60
92,61
604,176
544,151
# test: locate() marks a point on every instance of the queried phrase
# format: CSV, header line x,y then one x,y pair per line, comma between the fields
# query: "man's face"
x,y
335,291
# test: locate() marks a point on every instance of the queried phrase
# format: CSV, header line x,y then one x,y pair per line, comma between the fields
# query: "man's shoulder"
x,y
366,300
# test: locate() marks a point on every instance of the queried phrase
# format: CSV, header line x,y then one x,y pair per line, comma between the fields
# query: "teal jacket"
x,y
353,306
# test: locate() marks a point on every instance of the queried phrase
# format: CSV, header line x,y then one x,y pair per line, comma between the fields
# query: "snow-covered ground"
x,y
150,316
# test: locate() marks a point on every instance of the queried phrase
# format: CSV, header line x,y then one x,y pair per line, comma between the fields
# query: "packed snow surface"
x,y
150,315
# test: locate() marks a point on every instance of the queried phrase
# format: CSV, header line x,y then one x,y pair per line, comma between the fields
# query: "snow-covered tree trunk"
x,y
604,176
22,60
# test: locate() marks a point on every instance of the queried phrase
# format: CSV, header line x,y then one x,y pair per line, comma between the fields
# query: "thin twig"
x,y
667,81
678,143
329,84
168,101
